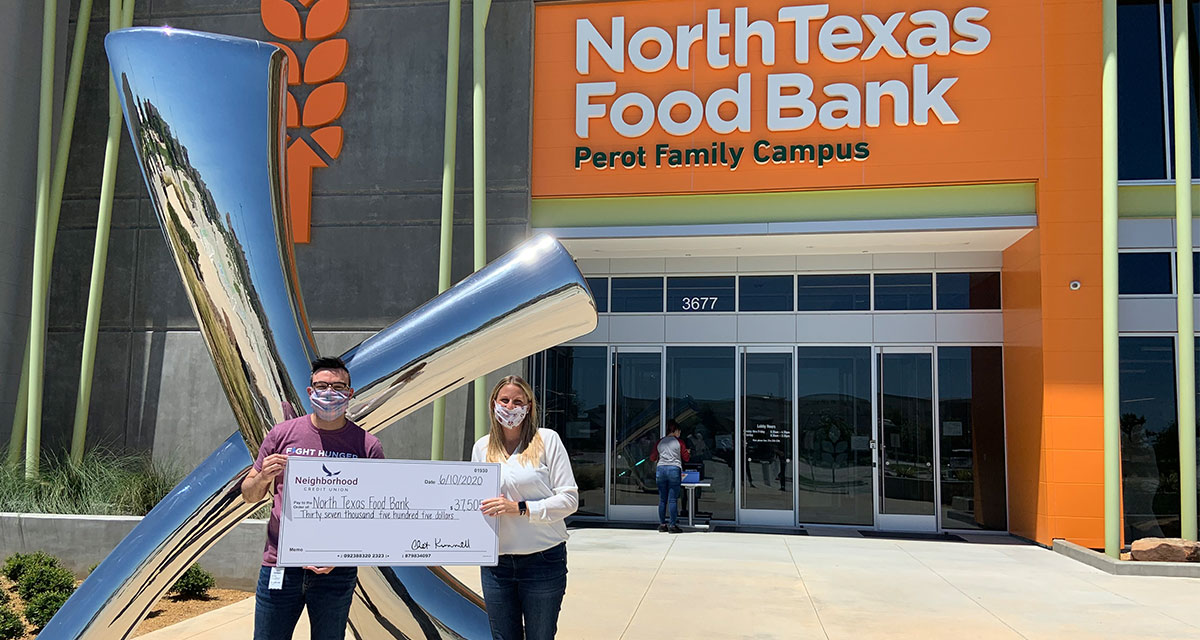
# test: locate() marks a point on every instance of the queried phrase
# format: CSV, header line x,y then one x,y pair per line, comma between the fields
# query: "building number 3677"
x,y
700,303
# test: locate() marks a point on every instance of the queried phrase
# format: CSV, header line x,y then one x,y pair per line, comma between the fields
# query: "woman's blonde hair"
x,y
531,446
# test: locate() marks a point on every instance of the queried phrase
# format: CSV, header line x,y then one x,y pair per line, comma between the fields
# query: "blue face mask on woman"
x,y
330,404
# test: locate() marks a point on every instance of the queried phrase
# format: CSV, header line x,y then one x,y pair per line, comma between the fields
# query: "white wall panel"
x,y
593,266
847,262
970,326
767,327
708,327
637,265
904,327
1146,314
902,260
1145,234
766,264
969,260
722,265
833,327
637,328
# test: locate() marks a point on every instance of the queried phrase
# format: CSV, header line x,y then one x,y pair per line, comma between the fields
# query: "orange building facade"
x,y
772,198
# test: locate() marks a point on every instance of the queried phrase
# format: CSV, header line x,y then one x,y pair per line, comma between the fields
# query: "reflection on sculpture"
x,y
205,114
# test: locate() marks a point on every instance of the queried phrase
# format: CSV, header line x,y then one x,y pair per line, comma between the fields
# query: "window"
x,y
903,291
765,293
1141,126
1144,39
1194,53
971,415
599,287
833,471
968,290
1144,273
1195,270
637,295
573,394
1149,438
700,294
700,397
850,292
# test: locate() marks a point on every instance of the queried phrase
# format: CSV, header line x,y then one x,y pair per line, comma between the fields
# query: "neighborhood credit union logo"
x,y
306,30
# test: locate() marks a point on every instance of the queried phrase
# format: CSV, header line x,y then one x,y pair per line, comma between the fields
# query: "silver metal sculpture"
x,y
205,113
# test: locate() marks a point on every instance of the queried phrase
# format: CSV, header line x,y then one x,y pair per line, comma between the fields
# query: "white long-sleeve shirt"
x,y
549,492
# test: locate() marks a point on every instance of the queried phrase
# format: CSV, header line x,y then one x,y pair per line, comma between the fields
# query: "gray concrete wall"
x,y
376,209
82,541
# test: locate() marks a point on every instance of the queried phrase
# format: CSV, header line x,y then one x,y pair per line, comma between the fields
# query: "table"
x,y
691,491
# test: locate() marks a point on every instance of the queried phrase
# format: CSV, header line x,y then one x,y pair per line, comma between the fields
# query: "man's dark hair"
x,y
334,364
672,425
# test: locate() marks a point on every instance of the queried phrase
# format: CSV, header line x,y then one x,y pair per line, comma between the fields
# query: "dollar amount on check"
x,y
357,512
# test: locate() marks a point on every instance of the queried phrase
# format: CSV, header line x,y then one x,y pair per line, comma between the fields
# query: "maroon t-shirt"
x,y
298,437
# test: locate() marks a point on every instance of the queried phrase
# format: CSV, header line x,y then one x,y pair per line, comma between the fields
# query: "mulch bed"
x,y
166,612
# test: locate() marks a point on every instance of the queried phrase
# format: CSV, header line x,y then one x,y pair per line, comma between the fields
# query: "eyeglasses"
x,y
325,386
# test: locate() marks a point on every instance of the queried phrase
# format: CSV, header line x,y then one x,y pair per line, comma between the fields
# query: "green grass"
x,y
104,483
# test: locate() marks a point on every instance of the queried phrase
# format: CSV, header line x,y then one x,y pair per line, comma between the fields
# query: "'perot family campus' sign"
x,y
682,96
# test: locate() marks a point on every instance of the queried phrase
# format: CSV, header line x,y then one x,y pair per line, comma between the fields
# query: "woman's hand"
x,y
499,506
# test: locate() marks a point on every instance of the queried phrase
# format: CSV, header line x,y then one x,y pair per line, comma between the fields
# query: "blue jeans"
x,y
327,597
527,588
669,481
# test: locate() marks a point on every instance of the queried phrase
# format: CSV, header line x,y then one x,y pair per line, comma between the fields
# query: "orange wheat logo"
x,y
312,141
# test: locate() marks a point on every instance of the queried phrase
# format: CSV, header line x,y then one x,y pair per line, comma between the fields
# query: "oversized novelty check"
x,y
357,511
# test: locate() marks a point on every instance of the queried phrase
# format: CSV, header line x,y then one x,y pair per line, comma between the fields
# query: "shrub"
x,y
44,579
43,606
194,583
18,563
11,626
4,597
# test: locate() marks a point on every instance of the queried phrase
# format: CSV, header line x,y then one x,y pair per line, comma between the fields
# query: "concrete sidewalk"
x,y
643,584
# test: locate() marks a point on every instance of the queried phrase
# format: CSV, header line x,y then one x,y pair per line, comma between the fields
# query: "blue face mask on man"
x,y
329,404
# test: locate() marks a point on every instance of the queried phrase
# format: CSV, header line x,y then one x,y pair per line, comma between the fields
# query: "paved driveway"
x,y
643,584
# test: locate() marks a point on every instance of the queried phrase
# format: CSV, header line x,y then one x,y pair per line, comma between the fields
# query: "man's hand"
x,y
319,570
272,466
257,482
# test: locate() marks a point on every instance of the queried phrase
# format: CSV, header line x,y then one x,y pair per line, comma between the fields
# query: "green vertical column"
x,y
481,9
16,440
1112,431
61,158
37,314
449,141
120,15
1186,356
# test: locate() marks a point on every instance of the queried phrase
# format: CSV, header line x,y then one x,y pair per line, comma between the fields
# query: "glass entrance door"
x,y
636,427
701,392
906,481
765,431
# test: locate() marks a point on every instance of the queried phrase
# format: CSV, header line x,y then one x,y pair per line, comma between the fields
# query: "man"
x,y
670,453
327,591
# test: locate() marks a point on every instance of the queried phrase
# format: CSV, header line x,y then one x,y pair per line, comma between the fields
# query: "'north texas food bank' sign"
x,y
684,96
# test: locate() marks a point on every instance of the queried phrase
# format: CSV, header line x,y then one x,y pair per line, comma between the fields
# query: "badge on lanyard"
x,y
276,578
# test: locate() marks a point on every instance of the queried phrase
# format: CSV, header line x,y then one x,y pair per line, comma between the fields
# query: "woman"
x,y
524,591
670,453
